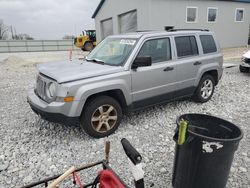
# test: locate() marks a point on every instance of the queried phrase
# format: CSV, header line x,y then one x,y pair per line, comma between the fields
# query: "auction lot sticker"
x,y
128,42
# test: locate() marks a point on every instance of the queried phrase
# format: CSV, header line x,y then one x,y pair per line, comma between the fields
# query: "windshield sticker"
x,y
128,42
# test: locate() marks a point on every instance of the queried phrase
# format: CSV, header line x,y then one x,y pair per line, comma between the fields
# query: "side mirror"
x,y
142,62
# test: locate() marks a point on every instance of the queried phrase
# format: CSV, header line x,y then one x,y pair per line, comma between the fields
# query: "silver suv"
x,y
126,73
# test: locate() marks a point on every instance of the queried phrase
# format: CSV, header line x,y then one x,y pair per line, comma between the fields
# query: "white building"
x,y
230,20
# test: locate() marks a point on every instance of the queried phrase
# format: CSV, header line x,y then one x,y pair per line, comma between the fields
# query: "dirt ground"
x,y
17,60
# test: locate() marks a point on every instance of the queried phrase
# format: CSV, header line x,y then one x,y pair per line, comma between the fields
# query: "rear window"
x,y
186,46
208,44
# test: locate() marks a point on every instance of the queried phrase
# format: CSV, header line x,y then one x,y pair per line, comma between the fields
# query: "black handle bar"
x,y
131,152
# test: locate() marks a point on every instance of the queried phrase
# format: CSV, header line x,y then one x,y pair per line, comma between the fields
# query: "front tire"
x,y
101,116
205,89
88,46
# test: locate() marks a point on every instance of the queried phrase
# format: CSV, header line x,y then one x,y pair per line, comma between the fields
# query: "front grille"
x,y
41,88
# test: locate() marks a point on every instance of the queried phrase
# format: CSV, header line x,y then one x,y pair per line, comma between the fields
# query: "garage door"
x,y
128,22
107,27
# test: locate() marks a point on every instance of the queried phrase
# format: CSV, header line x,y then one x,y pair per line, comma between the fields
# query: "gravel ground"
x,y
32,149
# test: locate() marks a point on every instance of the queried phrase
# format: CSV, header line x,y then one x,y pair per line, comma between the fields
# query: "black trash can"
x,y
204,159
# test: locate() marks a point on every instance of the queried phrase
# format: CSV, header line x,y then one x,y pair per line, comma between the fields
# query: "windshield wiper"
x,y
96,61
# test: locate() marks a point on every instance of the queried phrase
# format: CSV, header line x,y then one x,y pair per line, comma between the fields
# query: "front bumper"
x,y
50,112
245,62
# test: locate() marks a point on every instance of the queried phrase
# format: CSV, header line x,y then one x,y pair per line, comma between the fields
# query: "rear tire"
x,y
88,46
205,89
243,69
101,116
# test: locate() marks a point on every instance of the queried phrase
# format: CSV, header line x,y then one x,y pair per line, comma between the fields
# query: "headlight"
x,y
51,89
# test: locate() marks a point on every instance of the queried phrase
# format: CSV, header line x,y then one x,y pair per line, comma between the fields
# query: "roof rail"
x,y
171,30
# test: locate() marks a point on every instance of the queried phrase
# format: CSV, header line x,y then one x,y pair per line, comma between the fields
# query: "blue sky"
x,y
48,19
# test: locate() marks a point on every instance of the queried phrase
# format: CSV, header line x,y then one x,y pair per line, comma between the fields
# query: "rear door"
x,y
155,83
188,63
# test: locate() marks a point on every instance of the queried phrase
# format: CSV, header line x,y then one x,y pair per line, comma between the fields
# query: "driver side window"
x,y
158,49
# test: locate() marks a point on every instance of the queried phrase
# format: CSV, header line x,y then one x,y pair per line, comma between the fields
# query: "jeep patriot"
x,y
125,73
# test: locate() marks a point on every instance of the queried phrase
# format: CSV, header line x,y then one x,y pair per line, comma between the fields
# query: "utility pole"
x,y
12,34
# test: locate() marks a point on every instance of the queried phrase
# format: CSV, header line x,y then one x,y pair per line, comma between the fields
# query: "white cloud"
x,y
48,19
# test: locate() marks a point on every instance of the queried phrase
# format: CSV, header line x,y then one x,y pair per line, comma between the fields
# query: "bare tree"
x,y
3,30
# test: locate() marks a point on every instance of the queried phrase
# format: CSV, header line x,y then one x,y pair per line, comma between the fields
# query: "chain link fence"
x,y
8,46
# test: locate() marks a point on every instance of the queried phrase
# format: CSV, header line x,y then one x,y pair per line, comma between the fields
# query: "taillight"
x,y
80,40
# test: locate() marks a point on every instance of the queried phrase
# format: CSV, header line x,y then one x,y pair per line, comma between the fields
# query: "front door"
x,y
155,83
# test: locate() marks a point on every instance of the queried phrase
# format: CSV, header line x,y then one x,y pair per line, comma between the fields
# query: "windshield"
x,y
112,51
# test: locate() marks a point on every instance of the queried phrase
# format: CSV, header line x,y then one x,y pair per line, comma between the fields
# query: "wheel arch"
x,y
212,72
117,94
117,89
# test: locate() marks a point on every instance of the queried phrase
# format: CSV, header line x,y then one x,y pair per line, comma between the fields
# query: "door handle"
x,y
197,63
168,69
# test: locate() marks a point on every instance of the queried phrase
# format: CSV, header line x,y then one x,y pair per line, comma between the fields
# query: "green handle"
x,y
182,132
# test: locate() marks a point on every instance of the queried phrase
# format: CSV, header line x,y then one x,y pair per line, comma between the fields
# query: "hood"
x,y
247,55
66,71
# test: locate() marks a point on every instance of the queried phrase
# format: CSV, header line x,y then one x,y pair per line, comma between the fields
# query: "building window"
x,y
106,27
191,14
208,44
239,15
186,46
158,49
128,22
212,14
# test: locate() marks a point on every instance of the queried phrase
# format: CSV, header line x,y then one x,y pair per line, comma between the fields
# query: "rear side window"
x,y
208,44
186,46
158,49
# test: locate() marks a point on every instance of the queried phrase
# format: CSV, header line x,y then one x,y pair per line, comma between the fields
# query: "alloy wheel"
x,y
207,89
104,118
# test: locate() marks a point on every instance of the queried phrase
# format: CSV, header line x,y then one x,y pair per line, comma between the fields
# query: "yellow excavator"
x,y
86,41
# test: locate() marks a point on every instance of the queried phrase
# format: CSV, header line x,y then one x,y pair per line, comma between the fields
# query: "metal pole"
x,y
26,45
8,44
107,150
42,45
